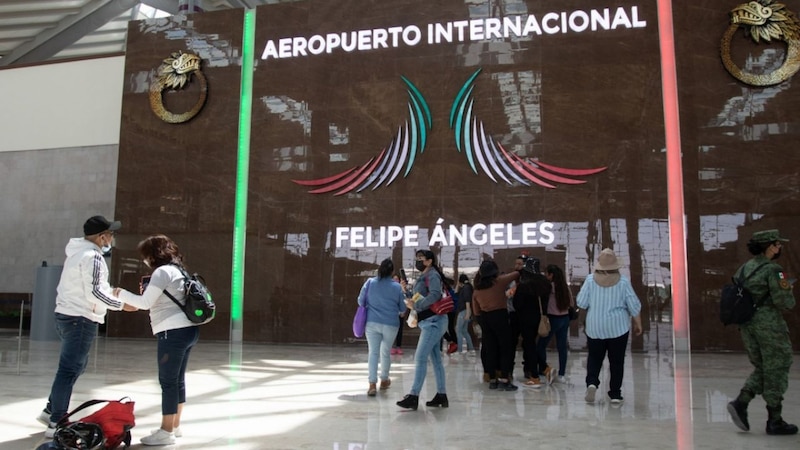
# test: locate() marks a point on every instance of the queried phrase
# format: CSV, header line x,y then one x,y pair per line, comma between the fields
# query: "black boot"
x,y
776,425
439,400
409,402
738,411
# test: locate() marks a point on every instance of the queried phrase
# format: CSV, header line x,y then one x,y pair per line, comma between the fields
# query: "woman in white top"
x,y
175,333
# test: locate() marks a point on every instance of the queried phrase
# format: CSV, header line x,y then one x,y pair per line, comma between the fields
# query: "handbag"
x,y
544,322
360,319
108,427
445,304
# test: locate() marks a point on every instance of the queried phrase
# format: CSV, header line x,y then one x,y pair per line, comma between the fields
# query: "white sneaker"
x,y
50,431
590,393
160,437
44,417
561,379
176,431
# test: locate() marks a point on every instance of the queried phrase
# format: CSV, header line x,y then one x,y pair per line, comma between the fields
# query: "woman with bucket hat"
x,y
610,303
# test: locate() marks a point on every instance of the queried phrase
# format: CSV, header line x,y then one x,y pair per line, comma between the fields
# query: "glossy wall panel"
x,y
549,141
740,161
574,100
179,179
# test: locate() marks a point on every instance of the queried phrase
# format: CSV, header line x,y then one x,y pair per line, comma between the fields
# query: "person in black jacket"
x,y
464,313
530,299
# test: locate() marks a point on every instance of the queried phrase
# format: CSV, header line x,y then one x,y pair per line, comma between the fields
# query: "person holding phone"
x,y
176,335
428,289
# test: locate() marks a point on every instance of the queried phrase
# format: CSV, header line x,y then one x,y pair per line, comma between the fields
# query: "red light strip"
x,y
677,231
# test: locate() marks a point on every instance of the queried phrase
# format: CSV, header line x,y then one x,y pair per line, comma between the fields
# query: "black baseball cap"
x,y
98,224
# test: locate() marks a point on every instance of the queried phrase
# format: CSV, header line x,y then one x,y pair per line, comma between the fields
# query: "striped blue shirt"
x,y
608,309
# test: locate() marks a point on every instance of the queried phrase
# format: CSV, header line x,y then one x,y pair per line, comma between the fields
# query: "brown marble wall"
x,y
574,100
740,161
179,179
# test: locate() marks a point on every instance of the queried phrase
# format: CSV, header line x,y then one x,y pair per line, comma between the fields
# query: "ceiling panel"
x,y
37,31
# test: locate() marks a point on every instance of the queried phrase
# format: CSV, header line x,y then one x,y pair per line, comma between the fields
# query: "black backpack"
x,y
198,305
736,305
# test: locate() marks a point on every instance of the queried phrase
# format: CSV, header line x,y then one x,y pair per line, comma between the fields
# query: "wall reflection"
x,y
573,100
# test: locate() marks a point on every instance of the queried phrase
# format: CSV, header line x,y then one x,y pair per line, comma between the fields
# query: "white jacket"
x,y
83,289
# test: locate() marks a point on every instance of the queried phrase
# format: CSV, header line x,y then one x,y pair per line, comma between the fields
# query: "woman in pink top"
x,y
558,313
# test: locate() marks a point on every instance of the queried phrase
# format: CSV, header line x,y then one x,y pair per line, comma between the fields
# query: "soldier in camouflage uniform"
x,y
766,335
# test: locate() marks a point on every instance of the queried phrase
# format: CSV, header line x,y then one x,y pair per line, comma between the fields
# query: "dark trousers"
x,y
174,347
398,340
497,341
450,335
514,328
615,348
482,344
529,328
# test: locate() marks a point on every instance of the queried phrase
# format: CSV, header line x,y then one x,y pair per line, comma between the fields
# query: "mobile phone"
x,y
143,283
403,275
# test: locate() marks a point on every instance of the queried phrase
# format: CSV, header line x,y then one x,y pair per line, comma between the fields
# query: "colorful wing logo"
x,y
481,150
383,169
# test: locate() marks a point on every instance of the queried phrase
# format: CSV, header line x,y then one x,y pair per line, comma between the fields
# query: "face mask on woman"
x,y
420,265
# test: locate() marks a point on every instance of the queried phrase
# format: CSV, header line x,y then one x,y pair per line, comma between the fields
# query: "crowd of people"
x,y
506,306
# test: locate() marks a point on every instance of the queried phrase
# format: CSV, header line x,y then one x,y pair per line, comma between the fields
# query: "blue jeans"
x,y
462,332
77,335
559,326
379,340
174,347
431,332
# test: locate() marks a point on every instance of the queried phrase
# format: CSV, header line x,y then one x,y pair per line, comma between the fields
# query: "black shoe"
x,y
409,402
439,400
738,412
492,384
507,386
780,427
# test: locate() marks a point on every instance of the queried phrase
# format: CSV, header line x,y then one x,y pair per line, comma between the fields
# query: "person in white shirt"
x,y
175,333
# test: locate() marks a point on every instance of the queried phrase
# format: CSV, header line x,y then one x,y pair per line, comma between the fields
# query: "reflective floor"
x,y
302,397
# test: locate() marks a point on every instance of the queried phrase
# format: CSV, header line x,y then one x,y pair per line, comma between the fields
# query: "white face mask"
x,y
106,249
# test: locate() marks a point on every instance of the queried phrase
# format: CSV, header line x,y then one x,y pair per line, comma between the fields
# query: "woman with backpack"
x,y
175,333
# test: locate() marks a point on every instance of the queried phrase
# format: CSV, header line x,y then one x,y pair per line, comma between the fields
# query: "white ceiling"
x,y
35,31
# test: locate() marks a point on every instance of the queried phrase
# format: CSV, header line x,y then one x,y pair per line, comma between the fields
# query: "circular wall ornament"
x,y
764,20
174,73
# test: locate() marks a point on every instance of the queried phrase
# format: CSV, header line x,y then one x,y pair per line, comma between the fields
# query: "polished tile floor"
x,y
312,397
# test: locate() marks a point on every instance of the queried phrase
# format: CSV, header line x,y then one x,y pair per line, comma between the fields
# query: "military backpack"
x,y
736,305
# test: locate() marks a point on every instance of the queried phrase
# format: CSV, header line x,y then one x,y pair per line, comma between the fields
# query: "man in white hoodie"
x,y
83,297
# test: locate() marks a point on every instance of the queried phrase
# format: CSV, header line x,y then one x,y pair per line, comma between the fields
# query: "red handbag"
x,y
445,304
115,419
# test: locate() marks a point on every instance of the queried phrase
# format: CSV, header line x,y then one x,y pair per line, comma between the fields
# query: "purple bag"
x,y
360,319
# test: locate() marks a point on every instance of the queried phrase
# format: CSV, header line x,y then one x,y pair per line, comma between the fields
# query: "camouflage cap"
x,y
767,236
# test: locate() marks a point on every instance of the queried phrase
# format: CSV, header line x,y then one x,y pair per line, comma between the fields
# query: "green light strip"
x,y
242,172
